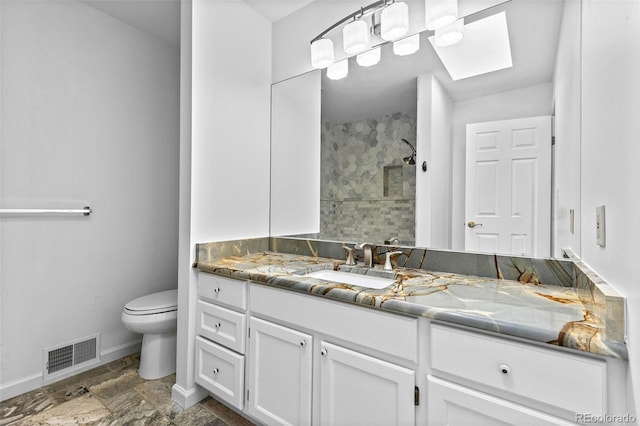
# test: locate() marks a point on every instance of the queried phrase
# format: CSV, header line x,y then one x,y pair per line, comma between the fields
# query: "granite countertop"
x,y
546,313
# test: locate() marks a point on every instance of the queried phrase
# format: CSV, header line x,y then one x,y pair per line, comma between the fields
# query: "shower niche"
x,y
392,181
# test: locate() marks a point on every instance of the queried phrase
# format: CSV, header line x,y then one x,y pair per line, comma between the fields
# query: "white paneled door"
x,y
508,187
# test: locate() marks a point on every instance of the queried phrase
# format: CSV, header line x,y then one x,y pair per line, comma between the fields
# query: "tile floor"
x,y
112,394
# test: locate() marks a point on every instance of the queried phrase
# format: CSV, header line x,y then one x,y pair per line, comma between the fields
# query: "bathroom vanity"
x,y
284,347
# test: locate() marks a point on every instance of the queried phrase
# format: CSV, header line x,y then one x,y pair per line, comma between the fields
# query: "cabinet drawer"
x,y
572,382
221,325
226,291
391,334
220,371
452,404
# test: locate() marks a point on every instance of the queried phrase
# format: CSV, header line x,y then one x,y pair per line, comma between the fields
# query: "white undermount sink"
x,y
351,278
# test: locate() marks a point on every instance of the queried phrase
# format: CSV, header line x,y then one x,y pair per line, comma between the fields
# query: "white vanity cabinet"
x,y
279,381
220,341
479,379
343,360
283,357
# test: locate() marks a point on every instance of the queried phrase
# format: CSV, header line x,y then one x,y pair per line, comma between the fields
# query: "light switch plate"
x,y
572,220
600,226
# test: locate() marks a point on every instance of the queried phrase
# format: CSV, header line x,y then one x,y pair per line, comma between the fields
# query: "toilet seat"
x,y
151,304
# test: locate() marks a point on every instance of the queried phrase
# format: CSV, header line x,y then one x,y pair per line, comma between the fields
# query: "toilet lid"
x,y
154,303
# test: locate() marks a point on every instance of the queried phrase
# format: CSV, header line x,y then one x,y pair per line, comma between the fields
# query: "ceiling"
x,y
161,18
393,80
275,10
158,18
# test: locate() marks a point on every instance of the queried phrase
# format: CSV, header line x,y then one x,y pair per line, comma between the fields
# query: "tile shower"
x,y
367,191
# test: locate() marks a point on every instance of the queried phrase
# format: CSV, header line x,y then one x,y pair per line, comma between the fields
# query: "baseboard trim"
x,y
34,381
186,398
20,386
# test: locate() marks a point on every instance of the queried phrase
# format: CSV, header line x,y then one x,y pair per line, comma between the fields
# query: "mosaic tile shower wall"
x,y
367,192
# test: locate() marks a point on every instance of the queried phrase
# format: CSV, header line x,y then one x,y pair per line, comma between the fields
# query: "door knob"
x,y
472,224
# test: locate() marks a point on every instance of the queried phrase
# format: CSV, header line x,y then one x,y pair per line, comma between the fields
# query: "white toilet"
x,y
156,317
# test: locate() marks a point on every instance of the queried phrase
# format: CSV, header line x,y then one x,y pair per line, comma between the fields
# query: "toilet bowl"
x,y
155,316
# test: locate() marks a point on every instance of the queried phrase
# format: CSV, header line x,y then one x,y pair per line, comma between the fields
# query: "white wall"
x,y
89,117
224,144
433,188
528,102
566,86
610,153
231,79
292,35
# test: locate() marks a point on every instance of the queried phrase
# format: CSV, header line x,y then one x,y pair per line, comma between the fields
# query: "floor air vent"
x,y
63,357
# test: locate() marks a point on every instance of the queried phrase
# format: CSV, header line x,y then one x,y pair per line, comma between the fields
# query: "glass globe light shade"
x,y
394,21
407,46
322,53
440,13
369,58
338,70
355,37
450,35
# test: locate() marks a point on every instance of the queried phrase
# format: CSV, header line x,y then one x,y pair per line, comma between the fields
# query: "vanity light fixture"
x,y
440,13
407,46
369,58
338,70
450,34
358,29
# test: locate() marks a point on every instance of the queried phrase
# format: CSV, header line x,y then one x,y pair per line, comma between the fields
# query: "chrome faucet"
x,y
387,263
349,251
392,241
367,250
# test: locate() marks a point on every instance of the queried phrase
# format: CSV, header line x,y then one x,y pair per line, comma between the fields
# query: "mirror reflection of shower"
x,y
367,189
410,160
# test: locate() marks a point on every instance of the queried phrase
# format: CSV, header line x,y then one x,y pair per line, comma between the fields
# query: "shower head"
x,y
410,160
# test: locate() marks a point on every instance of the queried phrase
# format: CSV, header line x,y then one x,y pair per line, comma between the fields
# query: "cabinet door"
x,y
450,404
357,389
279,374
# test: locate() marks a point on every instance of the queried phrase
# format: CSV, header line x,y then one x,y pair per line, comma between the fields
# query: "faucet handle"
x,y
387,261
349,260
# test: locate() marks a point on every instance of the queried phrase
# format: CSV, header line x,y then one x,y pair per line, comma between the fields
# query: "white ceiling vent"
x,y
67,357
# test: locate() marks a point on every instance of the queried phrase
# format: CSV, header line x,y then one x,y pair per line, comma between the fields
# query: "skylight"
x,y
484,48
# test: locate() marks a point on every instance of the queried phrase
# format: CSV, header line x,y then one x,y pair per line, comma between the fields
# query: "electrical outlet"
x,y
600,226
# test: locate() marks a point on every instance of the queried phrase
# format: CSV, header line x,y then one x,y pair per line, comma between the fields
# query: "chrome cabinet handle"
x,y
215,371
323,352
472,224
303,343
216,290
217,325
505,369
